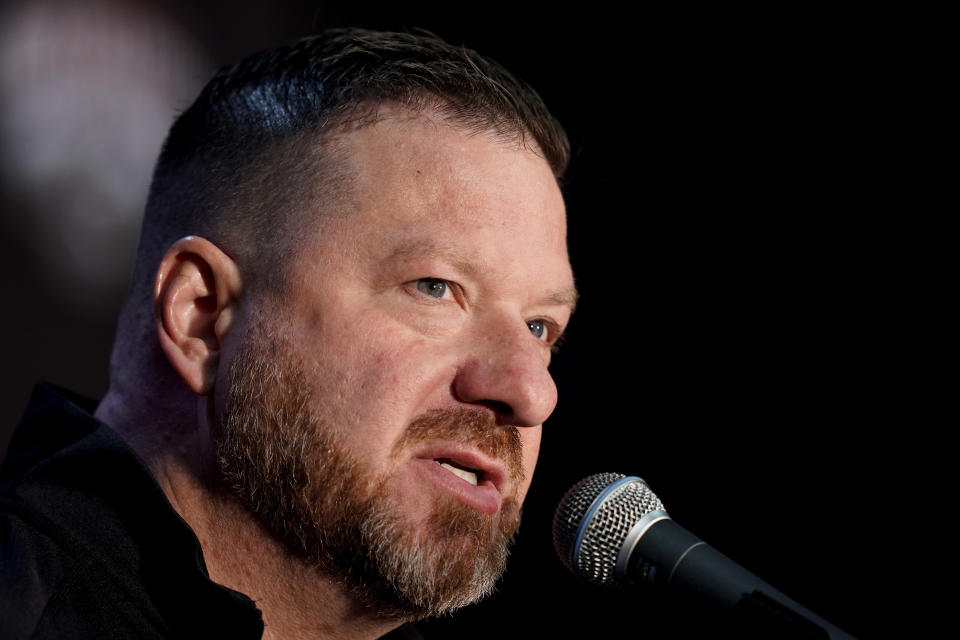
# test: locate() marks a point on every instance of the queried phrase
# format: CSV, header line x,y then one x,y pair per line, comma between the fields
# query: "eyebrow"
x,y
415,248
564,298
419,247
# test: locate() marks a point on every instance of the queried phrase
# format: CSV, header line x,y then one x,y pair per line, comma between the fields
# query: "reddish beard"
x,y
336,513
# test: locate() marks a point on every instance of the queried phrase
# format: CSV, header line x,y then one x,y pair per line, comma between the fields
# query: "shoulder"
x,y
33,568
67,566
50,588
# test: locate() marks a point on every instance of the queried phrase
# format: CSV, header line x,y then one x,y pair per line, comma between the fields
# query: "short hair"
x,y
235,164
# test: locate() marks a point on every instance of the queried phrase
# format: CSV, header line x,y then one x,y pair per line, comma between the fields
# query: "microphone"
x,y
612,530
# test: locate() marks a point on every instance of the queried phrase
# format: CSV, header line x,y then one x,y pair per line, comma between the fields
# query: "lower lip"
x,y
482,497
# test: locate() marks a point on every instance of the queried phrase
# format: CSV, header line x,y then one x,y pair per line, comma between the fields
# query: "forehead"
x,y
416,182
421,155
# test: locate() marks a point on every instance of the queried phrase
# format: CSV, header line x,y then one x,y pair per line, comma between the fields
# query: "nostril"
x,y
502,409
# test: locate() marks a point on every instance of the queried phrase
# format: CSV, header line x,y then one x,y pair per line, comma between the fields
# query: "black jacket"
x,y
91,548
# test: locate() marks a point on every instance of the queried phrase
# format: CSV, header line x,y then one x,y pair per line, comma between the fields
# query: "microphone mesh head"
x,y
608,524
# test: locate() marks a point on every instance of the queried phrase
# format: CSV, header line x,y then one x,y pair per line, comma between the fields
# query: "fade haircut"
x,y
245,167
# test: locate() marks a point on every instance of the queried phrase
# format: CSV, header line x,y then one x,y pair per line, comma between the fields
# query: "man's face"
x,y
388,412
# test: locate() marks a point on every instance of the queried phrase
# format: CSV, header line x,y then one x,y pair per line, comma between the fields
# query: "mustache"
x,y
474,427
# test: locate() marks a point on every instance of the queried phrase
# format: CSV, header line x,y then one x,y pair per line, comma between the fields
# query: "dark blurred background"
x,y
733,345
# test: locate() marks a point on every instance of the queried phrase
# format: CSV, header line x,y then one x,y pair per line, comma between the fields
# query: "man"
x,y
329,380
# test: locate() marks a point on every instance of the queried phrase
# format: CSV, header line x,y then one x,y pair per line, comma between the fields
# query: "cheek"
x,y
359,352
384,379
403,372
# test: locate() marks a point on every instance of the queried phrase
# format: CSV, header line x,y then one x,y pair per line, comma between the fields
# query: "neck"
x,y
297,600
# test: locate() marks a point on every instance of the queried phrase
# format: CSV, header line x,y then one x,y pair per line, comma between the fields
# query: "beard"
x,y
296,474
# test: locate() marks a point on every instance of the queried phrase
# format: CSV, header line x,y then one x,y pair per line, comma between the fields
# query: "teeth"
x,y
469,476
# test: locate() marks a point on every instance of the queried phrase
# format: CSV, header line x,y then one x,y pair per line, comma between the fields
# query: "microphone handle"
x,y
669,555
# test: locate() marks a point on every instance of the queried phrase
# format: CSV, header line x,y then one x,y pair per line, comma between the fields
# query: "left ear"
x,y
195,298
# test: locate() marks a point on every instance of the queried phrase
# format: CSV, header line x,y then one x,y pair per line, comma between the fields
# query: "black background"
x,y
734,343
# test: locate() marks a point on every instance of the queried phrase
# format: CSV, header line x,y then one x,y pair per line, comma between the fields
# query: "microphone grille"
x,y
588,533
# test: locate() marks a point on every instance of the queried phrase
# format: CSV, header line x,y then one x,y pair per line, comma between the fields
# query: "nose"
x,y
506,371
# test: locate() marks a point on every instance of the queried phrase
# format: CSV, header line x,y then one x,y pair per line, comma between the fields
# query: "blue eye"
x,y
537,328
433,287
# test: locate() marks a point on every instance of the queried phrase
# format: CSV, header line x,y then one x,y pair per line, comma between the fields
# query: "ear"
x,y
195,299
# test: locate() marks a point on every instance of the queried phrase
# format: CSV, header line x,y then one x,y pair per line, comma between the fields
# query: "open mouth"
x,y
468,474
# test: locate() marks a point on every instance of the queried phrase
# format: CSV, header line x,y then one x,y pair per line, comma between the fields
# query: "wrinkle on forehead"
x,y
417,247
407,169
